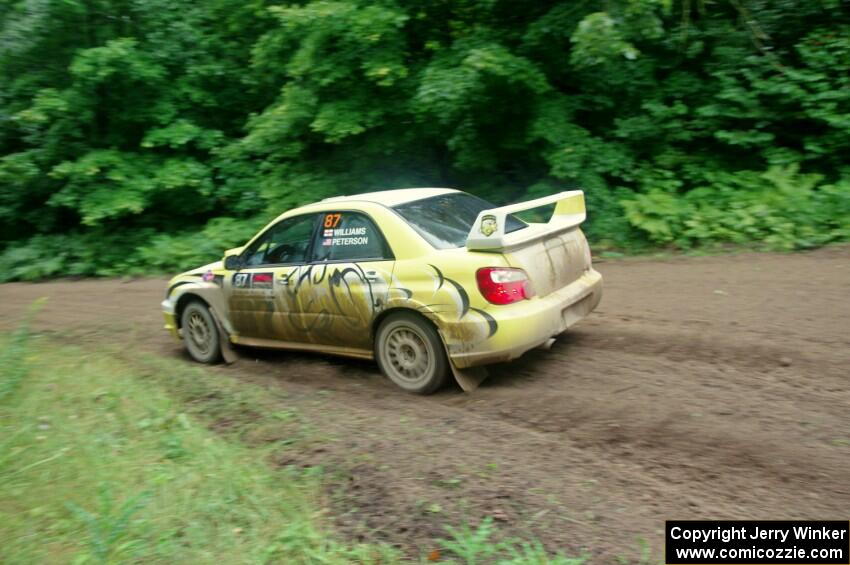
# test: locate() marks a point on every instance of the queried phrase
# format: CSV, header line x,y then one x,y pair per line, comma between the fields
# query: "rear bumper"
x,y
525,325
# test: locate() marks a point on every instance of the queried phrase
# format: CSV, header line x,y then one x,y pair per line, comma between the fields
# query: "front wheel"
x,y
409,351
200,333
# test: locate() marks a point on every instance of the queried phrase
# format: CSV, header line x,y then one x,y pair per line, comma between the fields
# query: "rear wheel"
x,y
200,333
409,351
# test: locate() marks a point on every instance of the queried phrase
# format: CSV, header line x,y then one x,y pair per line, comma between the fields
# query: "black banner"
x,y
768,542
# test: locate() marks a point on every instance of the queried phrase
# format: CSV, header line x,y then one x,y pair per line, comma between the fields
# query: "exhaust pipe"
x,y
547,345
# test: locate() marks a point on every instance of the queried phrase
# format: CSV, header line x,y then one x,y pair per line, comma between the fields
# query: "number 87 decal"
x,y
332,220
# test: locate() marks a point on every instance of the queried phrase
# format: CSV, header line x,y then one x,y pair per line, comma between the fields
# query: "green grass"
x,y
475,546
115,456
99,462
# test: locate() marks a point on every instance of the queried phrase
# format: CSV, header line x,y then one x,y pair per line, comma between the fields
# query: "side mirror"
x,y
232,262
232,259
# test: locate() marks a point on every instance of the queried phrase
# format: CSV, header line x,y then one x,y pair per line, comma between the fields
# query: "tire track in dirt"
x,y
711,387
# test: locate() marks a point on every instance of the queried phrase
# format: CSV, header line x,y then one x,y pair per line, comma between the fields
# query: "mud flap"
x,y
227,352
469,379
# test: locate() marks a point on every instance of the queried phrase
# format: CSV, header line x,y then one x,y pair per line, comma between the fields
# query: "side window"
x,y
348,236
285,242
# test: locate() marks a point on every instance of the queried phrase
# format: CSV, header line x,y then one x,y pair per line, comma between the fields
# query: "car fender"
x,y
446,303
209,292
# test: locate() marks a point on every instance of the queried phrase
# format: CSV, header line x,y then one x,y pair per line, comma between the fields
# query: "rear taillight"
x,y
501,285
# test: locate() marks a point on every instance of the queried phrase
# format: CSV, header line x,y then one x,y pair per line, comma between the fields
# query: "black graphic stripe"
x,y
464,297
321,277
175,285
491,321
302,277
439,274
365,279
335,281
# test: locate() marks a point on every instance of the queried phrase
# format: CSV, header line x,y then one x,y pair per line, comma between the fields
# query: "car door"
x,y
347,280
259,294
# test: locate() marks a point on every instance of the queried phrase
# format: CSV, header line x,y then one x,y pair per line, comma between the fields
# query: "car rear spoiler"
x,y
488,231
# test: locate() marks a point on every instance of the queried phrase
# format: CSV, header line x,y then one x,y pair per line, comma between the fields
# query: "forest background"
x,y
141,136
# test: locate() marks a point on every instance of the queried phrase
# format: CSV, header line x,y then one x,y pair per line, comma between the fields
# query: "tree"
x,y
148,134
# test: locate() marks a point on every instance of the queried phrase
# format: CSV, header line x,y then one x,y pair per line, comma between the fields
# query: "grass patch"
x,y
476,546
114,456
102,462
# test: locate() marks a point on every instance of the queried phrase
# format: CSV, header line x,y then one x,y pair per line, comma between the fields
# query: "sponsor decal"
x,y
488,225
347,241
262,280
345,236
208,276
349,231
258,281
333,235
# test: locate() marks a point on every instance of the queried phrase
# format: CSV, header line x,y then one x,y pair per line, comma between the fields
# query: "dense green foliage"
x,y
147,134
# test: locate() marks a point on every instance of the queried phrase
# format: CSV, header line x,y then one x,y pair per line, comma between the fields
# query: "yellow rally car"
x,y
426,281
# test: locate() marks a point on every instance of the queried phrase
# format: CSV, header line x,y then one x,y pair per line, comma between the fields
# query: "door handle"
x,y
372,276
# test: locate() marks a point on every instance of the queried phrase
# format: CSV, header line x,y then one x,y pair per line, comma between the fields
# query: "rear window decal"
x,y
350,231
347,241
345,236
332,220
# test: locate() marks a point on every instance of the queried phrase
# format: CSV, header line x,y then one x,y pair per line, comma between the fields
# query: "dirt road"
x,y
711,388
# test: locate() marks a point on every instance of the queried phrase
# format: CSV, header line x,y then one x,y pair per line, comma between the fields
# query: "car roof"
x,y
392,197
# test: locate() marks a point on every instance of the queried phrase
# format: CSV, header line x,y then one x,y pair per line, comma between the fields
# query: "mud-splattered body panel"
x,y
334,306
322,304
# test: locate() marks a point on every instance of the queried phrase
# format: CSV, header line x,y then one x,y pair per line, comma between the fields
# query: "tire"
x,y
411,354
200,334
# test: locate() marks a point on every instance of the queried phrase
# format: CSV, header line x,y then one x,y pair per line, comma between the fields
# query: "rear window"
x,y
445,220
348,236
